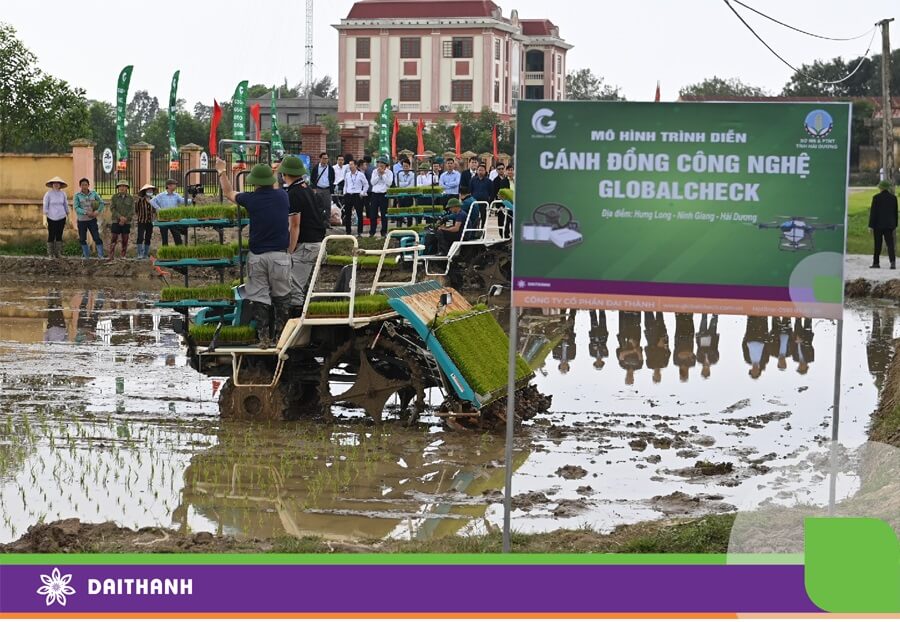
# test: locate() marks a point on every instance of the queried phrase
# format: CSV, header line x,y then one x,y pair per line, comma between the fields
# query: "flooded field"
x,y
652,417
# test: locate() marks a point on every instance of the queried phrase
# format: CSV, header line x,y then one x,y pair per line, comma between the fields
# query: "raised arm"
x,y
224,181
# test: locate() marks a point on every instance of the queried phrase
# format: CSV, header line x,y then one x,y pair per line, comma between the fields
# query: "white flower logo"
x,y
56,587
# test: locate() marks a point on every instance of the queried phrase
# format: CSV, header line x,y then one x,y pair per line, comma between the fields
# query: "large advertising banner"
x,y
732,208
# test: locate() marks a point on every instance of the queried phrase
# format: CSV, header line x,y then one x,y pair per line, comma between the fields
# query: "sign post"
x,y
728,208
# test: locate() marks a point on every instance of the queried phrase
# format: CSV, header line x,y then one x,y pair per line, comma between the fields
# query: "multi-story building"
x,y
433,57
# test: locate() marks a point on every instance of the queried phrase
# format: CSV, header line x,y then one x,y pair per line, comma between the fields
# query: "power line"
x,y
796,70
769,17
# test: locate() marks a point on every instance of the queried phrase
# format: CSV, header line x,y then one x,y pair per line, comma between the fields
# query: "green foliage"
x,y
722,87
203,333
38,248
102,116
188,129
475,341
707,535
859,238
199,251
406,210
807,81
38,112
363,263
583,85
204,212
210,292
476,136
139,113
364,306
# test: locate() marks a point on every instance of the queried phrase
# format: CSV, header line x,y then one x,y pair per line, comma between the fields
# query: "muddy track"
x,y
885,426
864,288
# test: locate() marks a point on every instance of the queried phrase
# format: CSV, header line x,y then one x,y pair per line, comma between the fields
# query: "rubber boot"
x,y
296,312
59,248
100,254
112,250
282,315
51,246
261,315
85,251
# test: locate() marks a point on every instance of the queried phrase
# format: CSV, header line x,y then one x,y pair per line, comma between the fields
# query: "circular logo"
x,y
204,160
818,124
542,122
107,161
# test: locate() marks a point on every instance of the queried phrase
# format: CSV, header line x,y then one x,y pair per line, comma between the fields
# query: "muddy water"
x,y
100,418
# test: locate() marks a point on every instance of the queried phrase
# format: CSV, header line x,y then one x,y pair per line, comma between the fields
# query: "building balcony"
x,y
410,106
534,76
361,107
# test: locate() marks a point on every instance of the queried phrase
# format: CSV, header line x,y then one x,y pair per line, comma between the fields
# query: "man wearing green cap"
x,y
269,264
883,223
452,231
308,226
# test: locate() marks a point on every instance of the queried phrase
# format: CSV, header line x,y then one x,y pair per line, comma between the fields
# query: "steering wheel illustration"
x,y
553,215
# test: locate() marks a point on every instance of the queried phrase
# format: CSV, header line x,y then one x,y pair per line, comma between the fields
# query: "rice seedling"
x,y
199,251
210,292
479,347
364,306
201,212
229,334
507,194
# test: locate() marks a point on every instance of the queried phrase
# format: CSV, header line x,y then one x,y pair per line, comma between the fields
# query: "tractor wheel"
x,y
255,403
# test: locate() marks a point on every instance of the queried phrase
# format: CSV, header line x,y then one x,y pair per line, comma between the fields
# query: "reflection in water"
x,y
629,352
880,344
708,344
342,482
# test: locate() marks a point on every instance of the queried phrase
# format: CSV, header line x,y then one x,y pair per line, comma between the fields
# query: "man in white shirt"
x,y
382,179
321,181
450,180
356,186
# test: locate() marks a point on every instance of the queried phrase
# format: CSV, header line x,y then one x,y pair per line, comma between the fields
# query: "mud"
x,y
863,288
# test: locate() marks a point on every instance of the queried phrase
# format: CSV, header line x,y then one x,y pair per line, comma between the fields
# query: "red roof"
x,y
537,27
415,9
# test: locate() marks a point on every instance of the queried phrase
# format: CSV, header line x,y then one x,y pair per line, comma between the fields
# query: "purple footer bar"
x,y
417,589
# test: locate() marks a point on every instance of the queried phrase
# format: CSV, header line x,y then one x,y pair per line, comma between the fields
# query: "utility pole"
x,y
887,125
309,60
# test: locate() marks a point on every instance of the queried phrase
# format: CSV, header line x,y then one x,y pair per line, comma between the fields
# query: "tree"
x,y
866,82
37,111
139,113
102,117
722,87
258,90
584,85
323,87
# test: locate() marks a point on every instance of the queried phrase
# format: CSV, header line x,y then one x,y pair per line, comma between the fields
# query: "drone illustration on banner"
x,y
797,232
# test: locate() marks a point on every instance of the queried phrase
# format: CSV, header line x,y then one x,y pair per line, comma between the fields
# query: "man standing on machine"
x,y
307,231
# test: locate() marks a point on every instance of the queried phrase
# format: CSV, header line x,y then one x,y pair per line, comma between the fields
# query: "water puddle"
x,y
102,419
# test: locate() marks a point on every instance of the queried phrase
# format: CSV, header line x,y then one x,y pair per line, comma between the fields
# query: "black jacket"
x,y
883,214
499,184
314,177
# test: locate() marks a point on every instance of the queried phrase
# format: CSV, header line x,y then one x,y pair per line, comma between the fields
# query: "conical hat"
x,y
57,180
147,187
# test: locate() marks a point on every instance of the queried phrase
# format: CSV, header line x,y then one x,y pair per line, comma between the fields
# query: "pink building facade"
x,y
432,57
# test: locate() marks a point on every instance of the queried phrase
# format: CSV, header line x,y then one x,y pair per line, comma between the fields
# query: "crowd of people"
x,y
647,344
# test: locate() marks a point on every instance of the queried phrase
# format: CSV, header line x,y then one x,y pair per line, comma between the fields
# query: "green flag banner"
x,y
239,118
173,102
733,208
384,129
121,103
277,145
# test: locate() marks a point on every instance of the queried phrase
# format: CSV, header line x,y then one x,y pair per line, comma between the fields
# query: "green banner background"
x,y
173,104
239,118
277,144
384,129
121,104
651,249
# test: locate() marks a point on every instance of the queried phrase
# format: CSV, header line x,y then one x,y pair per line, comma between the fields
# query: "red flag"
x,y
394,138
457,134
254,114
657,92
496,149
213,128
420,134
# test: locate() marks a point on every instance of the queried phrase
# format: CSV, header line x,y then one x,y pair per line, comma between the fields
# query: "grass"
x,y
437,190
480,348
365,306
204,212
364,263
406,210
210,292
38,248
203,333
859,238
199,251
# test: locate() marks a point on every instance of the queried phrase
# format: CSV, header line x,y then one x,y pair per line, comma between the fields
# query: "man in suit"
x,y
321,180
883,223
469,173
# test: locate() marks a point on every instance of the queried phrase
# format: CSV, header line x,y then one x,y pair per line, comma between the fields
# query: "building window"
x,y
496,92
410,90
459,47
363,47
558,63
410,47
534,61
461,90
362,90
496,49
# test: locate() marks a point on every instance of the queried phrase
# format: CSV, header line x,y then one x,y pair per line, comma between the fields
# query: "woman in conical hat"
x,y
56,209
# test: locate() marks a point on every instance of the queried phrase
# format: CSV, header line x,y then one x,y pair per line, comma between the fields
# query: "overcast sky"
x,y
631,44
